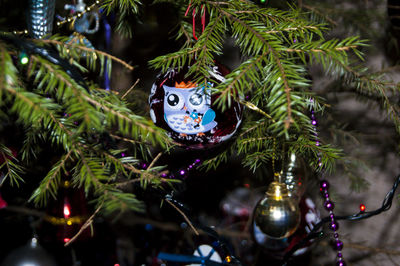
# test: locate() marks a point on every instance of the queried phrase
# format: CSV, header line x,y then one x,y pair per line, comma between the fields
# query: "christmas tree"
x,y
198,132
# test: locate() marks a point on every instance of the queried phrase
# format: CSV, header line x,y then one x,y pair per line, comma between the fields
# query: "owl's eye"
x,y
196,99
175,101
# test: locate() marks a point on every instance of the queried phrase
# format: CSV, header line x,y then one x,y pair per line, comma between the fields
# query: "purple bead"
x,y
143,165
324,185
339,245
334,226
314,122
329,205
182,172
341,263
326,194
339,254
164,175
190,166
336,235
197,161
332,216
123,154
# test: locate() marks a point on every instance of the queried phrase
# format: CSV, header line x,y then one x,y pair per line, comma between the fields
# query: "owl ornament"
x,y
185,110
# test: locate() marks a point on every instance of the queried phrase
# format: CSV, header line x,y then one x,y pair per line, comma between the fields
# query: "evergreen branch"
x,y
88,223
130,89
344,48
84,48
321,14
251,106
234,80
256,139
174,60
256,126
122,6
79,109
13,170
115,199
89,173
184,216
277,60
288,29
209,43
126,166
50,183
126,118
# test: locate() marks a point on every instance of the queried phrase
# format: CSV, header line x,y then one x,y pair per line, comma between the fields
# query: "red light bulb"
x,y
67,211
362,208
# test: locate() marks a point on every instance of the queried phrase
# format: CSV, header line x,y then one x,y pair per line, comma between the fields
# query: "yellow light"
x,y
69,222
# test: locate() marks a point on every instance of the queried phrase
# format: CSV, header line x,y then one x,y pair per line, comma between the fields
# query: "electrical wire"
x,y
314,233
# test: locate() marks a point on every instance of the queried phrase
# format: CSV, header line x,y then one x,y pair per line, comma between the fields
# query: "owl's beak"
x,y
184,107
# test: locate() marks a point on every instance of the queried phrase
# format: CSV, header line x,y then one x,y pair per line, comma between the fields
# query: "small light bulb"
x,y
67,211
23,58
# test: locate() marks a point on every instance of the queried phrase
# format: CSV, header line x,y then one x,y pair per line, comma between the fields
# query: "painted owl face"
x,y
187,109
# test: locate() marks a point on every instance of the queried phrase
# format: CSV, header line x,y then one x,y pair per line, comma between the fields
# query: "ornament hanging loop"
x,y
203,19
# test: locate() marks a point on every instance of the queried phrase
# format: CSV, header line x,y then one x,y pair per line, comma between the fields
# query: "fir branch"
x,y
13,170
63,45
262,39
50,183
129,119
174,60
251,106
88,223
184,216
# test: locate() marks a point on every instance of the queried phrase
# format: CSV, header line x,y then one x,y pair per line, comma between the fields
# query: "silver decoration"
x,y
31,254
40,17
294,175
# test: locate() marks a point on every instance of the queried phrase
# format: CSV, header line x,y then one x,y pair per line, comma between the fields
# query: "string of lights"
x,y
69,19
362,214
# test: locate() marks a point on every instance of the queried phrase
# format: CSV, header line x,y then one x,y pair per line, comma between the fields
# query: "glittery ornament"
x,y
40,17
277,215
187,112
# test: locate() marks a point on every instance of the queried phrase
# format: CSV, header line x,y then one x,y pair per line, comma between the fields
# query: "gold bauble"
x,y
277,214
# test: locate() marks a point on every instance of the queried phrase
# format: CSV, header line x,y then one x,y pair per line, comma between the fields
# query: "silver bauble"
x,y
29,255
277,214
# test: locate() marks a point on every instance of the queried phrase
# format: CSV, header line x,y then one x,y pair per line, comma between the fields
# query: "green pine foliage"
x,y
277,48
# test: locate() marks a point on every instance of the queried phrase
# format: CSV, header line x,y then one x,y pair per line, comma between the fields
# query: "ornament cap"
x,y
277,191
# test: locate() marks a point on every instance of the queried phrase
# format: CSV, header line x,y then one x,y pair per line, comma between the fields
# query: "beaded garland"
x,y
328,204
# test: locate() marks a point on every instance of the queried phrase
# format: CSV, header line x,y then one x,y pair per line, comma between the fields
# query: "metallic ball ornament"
x,y
277,214
31,254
